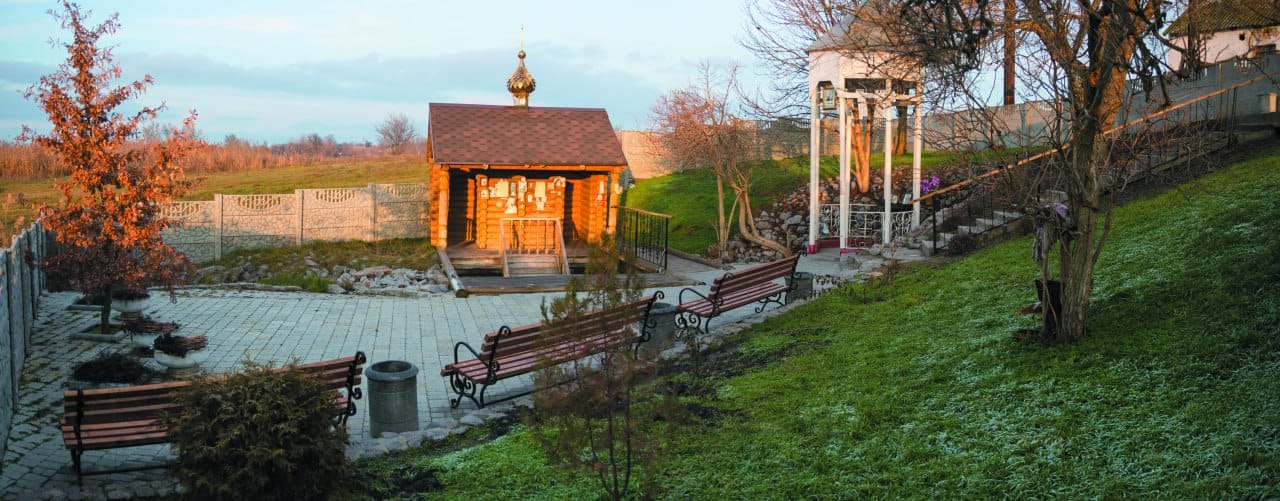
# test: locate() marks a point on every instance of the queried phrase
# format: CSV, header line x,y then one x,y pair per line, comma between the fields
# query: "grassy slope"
x,y
925,393
690,197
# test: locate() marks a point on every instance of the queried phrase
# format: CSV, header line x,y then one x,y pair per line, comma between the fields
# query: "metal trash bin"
x,y
663,315
801,286
393,397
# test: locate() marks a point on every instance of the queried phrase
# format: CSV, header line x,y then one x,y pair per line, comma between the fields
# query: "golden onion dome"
x,y
521,83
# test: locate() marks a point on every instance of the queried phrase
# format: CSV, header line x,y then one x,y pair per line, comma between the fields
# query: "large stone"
x,y
373,271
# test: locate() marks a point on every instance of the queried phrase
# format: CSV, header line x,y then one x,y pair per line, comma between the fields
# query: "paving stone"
x,y
472,420
271,326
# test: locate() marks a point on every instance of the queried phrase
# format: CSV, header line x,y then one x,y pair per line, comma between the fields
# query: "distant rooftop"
x,y
1226,15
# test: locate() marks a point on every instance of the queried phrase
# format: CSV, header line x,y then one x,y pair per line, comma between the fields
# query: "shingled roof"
x,y
511,135
1225,15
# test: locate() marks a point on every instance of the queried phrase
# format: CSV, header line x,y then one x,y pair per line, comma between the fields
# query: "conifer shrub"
x,y
258,434
961,244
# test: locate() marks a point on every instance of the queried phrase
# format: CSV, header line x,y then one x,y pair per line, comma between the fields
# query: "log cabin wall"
x,y
503,195
476,202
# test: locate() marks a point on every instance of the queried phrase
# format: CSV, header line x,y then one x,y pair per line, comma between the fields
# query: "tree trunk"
x,y
104,319
722,226
747,226
900,135
1077,263
1010,51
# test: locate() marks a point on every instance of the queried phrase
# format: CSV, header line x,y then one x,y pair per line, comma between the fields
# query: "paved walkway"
x,y
272,326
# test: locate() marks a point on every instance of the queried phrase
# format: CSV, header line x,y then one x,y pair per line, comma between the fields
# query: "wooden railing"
x,y
1145,119
532,236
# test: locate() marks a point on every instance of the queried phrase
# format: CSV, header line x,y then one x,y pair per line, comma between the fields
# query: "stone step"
x,y
926,247
1052,196
1008,215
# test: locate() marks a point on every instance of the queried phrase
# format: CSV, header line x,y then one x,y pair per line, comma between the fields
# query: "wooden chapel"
x,y
519,188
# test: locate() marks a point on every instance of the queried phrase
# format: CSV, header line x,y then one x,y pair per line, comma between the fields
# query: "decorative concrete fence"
x,y
207,230
21,281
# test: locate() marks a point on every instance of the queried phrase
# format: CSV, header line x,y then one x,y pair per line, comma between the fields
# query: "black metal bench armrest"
x,y
491,366
649,323
690,289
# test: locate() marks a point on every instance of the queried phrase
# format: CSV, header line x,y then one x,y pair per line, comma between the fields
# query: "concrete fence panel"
x,y
21,281
207,230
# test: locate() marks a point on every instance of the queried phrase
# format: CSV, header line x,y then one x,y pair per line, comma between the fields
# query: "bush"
x,y
113,367
260,434
961,244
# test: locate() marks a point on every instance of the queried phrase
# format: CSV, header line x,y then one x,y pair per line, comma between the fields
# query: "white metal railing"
x,y
865,223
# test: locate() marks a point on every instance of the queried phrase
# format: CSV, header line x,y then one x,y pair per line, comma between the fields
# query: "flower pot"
x,y
130,308
182,366
143,339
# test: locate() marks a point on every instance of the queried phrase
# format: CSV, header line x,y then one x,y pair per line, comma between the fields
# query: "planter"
x,y
130,308
144,340
182,366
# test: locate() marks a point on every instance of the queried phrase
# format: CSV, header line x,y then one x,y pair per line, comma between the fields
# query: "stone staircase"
x,y
980,225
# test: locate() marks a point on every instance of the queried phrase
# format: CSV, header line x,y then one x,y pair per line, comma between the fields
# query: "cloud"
x,y
349,97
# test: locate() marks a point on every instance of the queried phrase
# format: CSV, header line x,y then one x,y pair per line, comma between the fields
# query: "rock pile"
x,y
380,280
787,220
384,280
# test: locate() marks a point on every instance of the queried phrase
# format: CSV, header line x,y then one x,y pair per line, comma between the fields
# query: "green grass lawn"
x,y
917,389
690,197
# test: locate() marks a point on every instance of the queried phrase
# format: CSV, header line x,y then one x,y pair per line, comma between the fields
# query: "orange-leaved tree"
x,y
109,219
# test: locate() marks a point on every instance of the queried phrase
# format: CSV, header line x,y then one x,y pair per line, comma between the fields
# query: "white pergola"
x,y
855,85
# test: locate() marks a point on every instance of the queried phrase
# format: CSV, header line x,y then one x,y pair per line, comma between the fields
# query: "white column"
x,y
917,144
844,171
887,224
815,145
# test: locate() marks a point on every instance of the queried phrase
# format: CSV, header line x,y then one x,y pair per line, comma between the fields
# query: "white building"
x,y
1227,29
856,74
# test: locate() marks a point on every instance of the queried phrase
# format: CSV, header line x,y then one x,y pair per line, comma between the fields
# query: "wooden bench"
x,y
735,289
111,418
509,352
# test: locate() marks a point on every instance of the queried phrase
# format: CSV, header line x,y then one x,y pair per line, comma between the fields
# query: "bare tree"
x,y
396,133
696,127
779,32
1087,52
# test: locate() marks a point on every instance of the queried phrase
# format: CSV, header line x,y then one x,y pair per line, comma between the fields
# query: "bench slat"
x,y
529,361
128,416
740,288
531,347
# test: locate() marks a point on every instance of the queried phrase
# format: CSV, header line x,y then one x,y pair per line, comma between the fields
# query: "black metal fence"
x,y
642,235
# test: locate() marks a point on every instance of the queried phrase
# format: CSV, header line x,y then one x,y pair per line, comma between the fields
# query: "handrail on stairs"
x,y
1032,158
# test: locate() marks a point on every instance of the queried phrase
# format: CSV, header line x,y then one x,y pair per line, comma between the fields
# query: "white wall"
x,y
1225,45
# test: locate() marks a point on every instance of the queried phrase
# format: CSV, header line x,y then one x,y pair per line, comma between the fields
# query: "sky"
x,y
272,71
